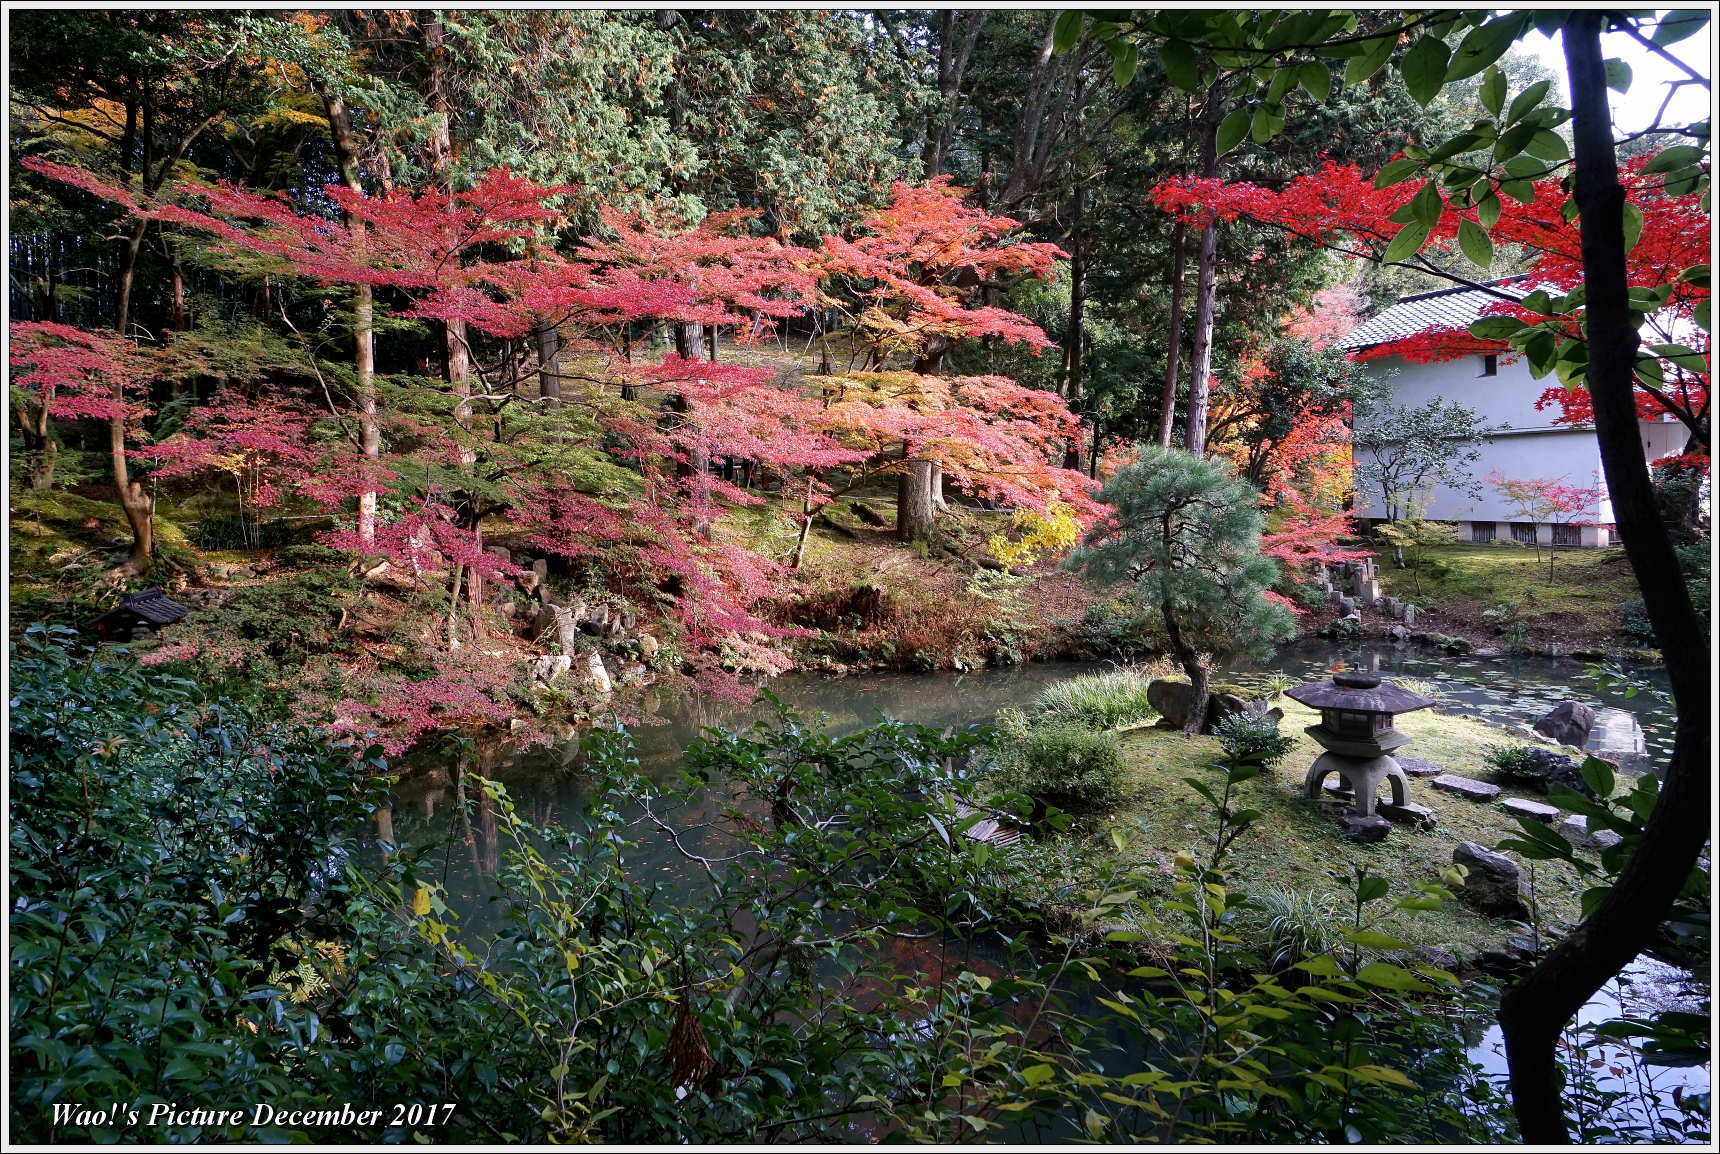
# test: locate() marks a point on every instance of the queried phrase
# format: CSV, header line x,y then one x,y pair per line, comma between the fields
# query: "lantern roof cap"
x,y
1358,691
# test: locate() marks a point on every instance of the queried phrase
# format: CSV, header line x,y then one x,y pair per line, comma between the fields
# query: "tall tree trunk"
x,y
958,32
1536,1009
1206,281
914,511
457,350
363,308
1173,339
1074,383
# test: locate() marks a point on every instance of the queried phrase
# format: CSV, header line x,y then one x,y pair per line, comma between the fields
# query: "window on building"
x,y
1523,533
1567,535
1490,365
1482,532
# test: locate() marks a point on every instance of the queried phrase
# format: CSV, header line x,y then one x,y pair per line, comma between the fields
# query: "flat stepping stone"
x,y
1523,807
1416,767
1466,787
1408,814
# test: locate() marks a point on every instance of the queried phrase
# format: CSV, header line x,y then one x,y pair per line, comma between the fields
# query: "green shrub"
x,y
1517,762
1249,739
1119,628
1061,766
1096,700
227,531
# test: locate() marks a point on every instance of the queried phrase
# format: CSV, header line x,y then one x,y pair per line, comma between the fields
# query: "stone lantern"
x,y
1356,711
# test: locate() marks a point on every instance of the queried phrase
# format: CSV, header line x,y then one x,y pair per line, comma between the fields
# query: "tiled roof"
x,y
1452,308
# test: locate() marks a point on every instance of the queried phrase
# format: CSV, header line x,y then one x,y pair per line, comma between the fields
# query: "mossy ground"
x,y
1294,846
1577,605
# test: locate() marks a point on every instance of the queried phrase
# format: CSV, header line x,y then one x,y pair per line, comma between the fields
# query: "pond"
x,y
430,809
547,788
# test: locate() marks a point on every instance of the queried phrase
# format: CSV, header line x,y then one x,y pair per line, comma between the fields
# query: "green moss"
x,y
1296,848
1585,589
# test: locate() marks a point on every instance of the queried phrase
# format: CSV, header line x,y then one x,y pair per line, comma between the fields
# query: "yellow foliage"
x,y
1054,530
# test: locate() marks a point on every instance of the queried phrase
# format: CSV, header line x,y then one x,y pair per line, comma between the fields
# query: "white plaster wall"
x,y
1508,398
1531,448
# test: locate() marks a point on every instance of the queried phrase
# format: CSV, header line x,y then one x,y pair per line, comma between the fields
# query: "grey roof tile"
x,y
1452,308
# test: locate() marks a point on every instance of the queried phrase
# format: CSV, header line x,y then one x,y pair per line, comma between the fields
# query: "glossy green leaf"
x,y
1484,45
1370,60
1423,68
1406,243
1389,977
1232,129
1526,100
1395,171
1066,33
1181,63
1493,91
1475,243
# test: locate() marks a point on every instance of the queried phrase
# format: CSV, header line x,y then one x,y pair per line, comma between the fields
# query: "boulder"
x,y
1568,723
1220,705
1494,883
501,552
560,622
1575,829
1617,736
1173,700
1346,605
648,646
1466,787
550,669
1398,633
541,568
1410,613
1522,807
528,581
635,673
597,674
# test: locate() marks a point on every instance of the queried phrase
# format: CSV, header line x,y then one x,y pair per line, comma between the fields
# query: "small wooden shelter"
x,y
137,615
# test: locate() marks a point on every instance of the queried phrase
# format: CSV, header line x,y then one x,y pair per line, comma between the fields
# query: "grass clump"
x,y
1297,924
1096,700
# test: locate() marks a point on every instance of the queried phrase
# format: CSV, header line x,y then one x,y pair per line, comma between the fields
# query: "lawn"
x,y
1296,848
1580,601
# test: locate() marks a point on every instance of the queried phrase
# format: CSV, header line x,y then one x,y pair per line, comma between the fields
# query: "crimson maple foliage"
x,y
616,482
1340,206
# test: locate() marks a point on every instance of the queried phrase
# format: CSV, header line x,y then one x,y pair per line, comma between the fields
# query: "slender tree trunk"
x,y
363,309
1536,1009
1173,349
1206,281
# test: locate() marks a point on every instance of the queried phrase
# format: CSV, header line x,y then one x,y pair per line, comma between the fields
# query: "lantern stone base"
x,y
1363,776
